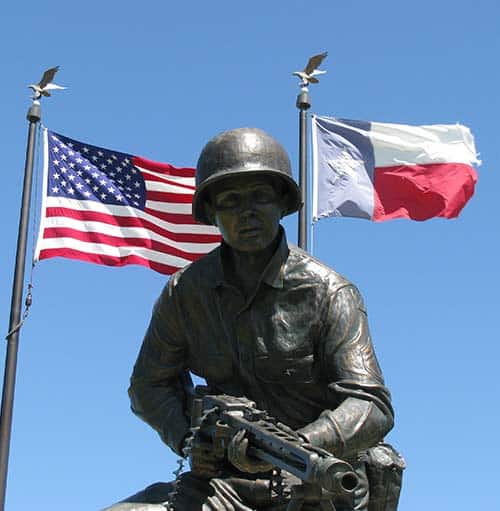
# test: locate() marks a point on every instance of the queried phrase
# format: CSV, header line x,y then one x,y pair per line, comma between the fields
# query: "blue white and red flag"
x,y
383,171
113,208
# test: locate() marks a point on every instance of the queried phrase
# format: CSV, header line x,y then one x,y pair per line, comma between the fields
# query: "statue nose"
x,y
247,204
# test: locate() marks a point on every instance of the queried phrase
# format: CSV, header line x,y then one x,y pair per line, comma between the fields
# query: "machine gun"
x,y
325,478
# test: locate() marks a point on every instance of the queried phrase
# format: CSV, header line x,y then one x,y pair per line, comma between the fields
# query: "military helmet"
x,y
239,152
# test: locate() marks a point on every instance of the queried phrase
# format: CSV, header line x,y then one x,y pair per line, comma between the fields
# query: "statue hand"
x,y
202,458
237,455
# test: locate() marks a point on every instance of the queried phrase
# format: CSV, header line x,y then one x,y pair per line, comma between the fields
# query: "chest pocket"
x,y
285,370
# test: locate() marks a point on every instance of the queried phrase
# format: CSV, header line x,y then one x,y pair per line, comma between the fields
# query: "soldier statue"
x,y
260,318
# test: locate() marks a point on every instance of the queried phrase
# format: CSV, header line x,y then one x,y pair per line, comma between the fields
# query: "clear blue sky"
x,y
159,79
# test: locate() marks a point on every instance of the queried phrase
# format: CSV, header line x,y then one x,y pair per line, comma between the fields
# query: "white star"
x,y
95,158
137,184
128,177
126,161
71,177
128,195
345,166
72,165
85,149
56,162
64,157
111,189
63,170
71,191
118,169
109,160
112,174
55,138
63,183
79,173
70,144
78,160
55,189
55,175
87,167
103,196
103,166
100,153
102,182
133,170
79,186
113,156
95,188
118,197
137,196
71,153
87,193
135,203
95,174
55,149
87,180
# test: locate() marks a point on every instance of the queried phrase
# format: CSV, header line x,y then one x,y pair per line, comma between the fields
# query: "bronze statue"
x,y
265,321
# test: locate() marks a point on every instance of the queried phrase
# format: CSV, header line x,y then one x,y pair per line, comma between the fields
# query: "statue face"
x,y
247,210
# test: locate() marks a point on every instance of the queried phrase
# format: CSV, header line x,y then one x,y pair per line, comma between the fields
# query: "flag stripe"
x,y
421,192
71,253
176,198
400,144
163,168
156,207
168,186
102,249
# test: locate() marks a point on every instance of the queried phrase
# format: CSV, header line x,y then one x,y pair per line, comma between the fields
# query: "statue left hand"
x,y
237,455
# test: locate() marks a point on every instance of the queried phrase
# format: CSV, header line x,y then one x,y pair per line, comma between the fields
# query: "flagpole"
x,y
33,116
303,104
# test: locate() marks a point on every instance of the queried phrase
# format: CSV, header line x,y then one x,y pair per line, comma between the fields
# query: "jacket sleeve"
x,y
156,392
353,377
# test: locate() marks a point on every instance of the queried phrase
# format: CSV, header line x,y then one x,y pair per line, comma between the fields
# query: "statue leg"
x,y
220,494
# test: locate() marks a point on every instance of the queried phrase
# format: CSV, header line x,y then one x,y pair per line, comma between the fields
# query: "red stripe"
x,y
116,241
164,168
106,260
421,192
161,179
174,218
181,198
124,221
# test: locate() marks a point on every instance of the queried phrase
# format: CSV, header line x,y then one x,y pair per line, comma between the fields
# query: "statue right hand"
x,y
202,459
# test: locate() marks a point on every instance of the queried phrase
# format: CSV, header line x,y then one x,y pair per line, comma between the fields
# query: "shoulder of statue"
x,y
199,272
315,269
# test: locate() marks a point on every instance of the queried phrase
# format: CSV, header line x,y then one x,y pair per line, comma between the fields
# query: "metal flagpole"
x,y
303,104
34,116
307,76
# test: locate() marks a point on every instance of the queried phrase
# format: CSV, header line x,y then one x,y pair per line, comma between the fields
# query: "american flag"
x,y
114,208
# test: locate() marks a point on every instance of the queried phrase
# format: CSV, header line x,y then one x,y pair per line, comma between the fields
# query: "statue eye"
x,y
265,195
226,200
